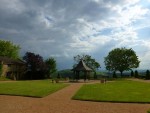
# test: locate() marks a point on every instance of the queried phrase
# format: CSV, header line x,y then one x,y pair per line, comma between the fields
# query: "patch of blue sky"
x,y
144,33
105,32
145,3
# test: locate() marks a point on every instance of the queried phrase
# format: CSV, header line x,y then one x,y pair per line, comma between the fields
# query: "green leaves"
x,y
51,65
89,61
8,49
121,59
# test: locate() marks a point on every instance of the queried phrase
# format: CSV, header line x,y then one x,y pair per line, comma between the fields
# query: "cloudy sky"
x,y
65,28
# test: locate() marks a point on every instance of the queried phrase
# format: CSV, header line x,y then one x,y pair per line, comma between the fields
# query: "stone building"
x,y
12,68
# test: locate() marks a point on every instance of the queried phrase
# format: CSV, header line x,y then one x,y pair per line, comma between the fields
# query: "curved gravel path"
x,y
60,102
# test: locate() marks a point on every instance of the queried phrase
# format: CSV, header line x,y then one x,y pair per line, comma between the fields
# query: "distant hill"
x,y
66,73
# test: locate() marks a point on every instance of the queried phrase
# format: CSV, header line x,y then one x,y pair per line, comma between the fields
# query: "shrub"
x,y
148,111
136,74
147,75
114,75
132,73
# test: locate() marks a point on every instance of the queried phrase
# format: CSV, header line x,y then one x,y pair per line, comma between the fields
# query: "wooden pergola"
x,y
81,67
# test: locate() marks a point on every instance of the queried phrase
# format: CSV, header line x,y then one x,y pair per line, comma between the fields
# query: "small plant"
x,y
148,111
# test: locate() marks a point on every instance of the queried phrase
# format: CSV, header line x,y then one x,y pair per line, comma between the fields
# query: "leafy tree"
x,y
136,74
51,66
8,49
121,59
147,74
35,65
132,73
89,61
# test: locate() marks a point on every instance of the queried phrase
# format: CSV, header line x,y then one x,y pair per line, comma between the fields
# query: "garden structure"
x,y
81,67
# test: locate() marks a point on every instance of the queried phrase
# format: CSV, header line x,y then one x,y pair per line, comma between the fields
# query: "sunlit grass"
x,y
118,91
30,88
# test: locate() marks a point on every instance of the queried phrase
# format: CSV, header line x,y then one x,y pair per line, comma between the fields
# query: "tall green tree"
x,y
121,59
9,49
51,66
89,61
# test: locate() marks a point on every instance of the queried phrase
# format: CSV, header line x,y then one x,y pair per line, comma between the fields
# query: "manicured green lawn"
x,y
118,91
30,88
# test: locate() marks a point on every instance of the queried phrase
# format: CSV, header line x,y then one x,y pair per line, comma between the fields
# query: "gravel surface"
x,y
60,102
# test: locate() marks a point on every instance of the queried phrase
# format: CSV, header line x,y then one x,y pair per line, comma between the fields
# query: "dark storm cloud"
x,y
60,28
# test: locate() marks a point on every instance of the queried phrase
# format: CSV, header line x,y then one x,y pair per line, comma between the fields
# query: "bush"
x,y
114,75
132,73
147,75
136,74
148,111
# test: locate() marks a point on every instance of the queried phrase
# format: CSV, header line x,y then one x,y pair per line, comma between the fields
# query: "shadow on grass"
x,y
112,101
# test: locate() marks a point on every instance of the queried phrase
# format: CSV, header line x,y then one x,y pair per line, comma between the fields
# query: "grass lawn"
x,y
118,91
4,78
39,88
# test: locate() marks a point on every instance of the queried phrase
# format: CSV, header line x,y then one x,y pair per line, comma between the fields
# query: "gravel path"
x,y
60,102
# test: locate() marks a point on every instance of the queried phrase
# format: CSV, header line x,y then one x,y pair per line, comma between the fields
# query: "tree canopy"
x,y
35,65
121,59
51,66
9,49
89,61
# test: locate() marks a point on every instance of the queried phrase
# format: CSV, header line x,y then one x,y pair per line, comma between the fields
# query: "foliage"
x,y
67,73
8,49
95,75
1,66
58,76
117,91
114,74
30,88
148,111
89,61
35,64
136,74
132,73
51,66
147,74
121,59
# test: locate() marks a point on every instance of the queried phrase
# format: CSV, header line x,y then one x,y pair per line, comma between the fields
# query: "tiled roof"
x,y
7,60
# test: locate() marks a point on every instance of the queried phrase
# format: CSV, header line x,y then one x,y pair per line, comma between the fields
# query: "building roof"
x,y
7,60
82,67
